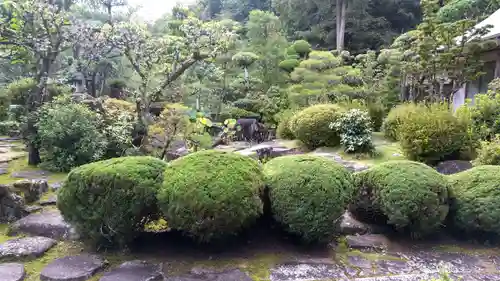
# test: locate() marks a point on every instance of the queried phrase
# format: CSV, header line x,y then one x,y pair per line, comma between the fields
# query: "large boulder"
x,y
12,206
31,189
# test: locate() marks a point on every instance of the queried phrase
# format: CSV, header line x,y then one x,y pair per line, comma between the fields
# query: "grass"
x,y
21,164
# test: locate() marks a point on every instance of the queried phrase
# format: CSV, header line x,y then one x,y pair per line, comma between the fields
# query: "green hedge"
x,y
396,117
211,194
475,199
107,201
407,195
312,126
283,130
308,194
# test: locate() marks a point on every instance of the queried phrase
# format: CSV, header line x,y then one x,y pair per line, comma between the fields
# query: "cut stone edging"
x,y
26,247
72,268
12,272
134,271
48,223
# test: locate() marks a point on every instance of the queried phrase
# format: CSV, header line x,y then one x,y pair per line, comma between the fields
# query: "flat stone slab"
x,y
46,223
306,272
55,186
31,175
134,271
12,272
50,200
228,275
72,268
26,247
375,241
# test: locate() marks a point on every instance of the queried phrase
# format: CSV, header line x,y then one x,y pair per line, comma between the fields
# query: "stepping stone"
x,y
32,209
72,268
134,271
12,272
453,166
26,247
305,271
228,275
31,175
48,223
51,200
408,277
375,241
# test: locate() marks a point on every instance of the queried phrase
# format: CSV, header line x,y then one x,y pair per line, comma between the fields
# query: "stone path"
x,y
48,223
73,268
26,247
12,272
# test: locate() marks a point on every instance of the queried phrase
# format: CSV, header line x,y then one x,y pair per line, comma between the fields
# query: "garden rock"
x,y
134,271
11,205
453,167
48,224
72,268
26,247
50,200
32,209
32,189
55,186
12,272
270,149
350,165
375,241
351,226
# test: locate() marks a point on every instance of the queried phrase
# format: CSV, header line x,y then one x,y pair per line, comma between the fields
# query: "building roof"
x,y
494,21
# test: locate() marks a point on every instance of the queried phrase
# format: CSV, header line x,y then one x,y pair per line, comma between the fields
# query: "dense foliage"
x,y
434,135
396,117
109,201
407,195
312,126
475,196
211,194
488,153
284,130
308,194
355,128
70,135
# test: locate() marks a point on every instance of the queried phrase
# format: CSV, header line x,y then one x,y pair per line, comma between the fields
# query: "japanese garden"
x,y
250,140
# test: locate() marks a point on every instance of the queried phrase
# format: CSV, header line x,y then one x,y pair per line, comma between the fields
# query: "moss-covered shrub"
x,y
312,126
489,153
433,135
283,130
396,117
109,201
211,194
308,194
475,200
407,195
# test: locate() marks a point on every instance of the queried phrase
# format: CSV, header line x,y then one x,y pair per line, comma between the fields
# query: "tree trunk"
x,y
33,155
340,40
338,11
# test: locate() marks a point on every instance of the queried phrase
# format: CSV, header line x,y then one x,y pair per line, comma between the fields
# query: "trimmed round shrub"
x,y
475,200
396,117
308,194
433,135
312,126
283,130
211,194
407,195
109,201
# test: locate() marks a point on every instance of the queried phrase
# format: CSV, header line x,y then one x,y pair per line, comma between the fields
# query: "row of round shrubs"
x,y
209,195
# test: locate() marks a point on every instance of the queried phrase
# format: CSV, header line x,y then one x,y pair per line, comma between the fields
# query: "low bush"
x,y
283,130
407,195
237,113
211,194
109,201
396,117
355,130
475,200
70,135
484,115
433,135
9,128
488,153
312,126
308,194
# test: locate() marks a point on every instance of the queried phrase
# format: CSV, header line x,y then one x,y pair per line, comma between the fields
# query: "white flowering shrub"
x,y
355,129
